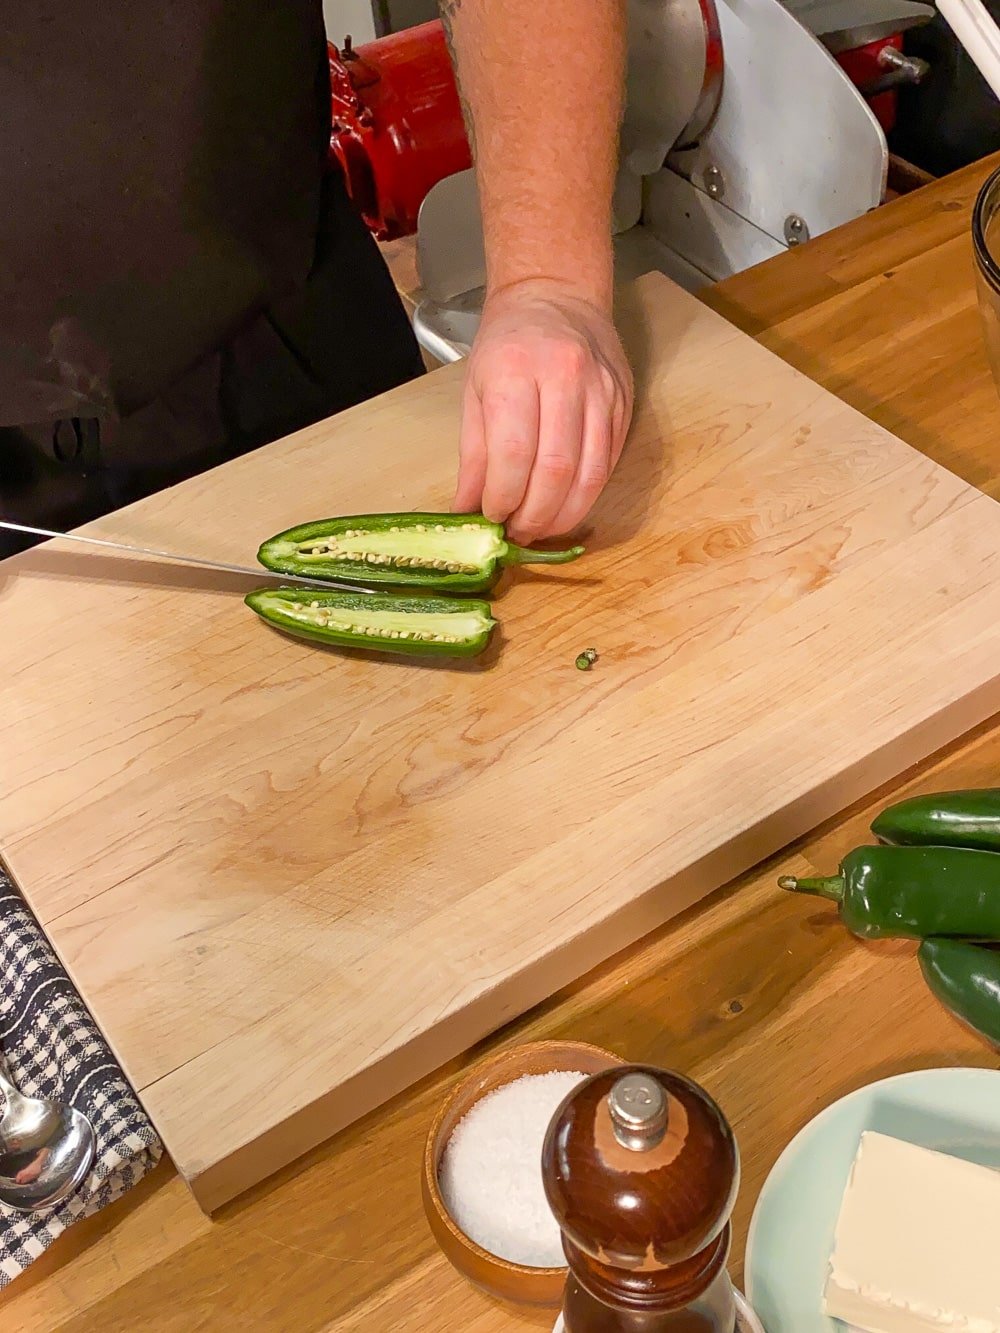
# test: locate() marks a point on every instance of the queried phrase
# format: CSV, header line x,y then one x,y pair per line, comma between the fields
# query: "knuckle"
x,y
610,387
595,477
512,361
569,359
556,467
515,449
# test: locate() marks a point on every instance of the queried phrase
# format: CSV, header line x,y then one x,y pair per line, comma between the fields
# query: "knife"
x,y
181,559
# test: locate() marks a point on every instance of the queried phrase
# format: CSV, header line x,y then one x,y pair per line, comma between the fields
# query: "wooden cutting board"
x,y
289,883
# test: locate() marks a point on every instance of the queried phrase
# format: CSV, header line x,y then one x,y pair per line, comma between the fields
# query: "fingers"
x,y
560,431
547,452
545,415
510,427
471,456
594,468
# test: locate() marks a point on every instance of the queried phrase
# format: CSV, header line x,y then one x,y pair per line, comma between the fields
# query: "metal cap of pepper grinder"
x,y
638,1107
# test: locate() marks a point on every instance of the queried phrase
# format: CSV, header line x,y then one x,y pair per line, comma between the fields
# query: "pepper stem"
x,y
523,555
831,886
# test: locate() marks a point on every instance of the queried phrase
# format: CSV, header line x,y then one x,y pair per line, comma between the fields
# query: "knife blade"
x,y
172,556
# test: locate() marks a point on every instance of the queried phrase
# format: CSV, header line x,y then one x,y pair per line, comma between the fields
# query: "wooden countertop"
x,y
760,996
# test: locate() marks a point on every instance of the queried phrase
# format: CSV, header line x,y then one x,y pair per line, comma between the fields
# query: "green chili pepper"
x,y
913,892
966,979
948,819
416,626
436,552
586,659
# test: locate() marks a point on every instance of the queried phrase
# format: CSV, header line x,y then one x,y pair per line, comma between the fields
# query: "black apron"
x,y
181,278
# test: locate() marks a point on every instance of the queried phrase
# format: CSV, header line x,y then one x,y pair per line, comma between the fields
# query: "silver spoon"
x,y
46,1148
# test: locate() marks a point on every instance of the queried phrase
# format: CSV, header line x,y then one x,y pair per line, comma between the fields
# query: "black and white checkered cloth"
x,y
54,1049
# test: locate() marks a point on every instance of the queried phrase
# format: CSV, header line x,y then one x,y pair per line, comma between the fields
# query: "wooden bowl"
x,y
518,1284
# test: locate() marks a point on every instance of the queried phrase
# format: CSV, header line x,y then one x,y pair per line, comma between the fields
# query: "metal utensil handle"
x,y
179,559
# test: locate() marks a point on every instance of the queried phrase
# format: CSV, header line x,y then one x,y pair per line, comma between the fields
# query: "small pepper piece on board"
x,y
966,979
434,552
913,892
414,626
944,819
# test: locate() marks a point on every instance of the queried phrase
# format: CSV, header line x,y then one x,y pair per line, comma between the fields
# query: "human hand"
x,y
548,401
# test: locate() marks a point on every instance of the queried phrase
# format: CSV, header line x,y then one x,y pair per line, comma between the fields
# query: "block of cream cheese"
x,y
917,1247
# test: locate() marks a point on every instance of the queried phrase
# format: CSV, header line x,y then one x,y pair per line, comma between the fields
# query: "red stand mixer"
x,y
397,124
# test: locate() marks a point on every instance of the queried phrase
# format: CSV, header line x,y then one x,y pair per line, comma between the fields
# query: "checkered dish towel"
x,y
54,1050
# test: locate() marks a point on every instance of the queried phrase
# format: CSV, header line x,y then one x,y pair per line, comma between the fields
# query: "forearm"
x,y
542,85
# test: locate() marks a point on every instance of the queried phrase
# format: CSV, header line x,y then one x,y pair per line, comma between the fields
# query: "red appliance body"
x,y
862,67
397,119
397,124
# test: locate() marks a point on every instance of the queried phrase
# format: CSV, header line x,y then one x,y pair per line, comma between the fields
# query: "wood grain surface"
x,y
759,995
290,883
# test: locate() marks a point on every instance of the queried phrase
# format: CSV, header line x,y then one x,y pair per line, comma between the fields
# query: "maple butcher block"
x,y
759,995
290,883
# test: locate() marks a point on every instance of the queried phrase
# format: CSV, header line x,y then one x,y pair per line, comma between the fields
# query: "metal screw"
x,y
714,183
638,1106
796,230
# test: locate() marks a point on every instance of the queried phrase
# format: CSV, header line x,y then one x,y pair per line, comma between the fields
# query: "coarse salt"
x,y
491,1170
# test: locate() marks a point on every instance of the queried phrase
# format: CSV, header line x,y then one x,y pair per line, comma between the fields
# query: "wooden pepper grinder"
x,y
641,1171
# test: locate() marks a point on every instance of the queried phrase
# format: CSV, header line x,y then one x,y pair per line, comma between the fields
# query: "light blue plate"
x,y
791,1234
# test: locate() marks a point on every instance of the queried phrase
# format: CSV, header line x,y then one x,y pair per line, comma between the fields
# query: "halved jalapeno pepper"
x,y
439,552
416,626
